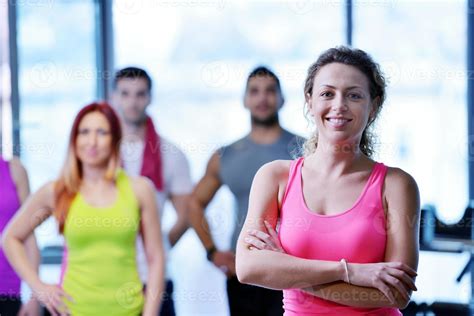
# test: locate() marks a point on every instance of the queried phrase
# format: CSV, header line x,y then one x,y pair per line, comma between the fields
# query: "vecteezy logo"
x,y
215,74
44,75
129,6
128,295
301,6
393,71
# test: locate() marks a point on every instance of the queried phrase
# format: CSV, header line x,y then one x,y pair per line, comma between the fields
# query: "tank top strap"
x,y
378,175
293,175
124,184
374,189
121,180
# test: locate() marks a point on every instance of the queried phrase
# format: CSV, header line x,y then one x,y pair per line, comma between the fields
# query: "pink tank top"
x,y
357,234
9,204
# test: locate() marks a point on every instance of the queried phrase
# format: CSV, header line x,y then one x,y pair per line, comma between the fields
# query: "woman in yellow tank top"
x,y
100,211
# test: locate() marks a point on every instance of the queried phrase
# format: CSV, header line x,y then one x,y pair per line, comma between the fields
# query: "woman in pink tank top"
x,y
335,230
14,189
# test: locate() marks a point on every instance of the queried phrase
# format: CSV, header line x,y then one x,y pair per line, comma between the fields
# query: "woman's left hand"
x,y
268,240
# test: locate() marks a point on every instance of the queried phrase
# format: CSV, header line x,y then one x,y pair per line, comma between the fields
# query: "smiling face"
x,y
94,140
340,103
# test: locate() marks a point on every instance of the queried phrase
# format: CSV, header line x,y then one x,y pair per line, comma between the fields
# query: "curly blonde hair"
x,y
377,84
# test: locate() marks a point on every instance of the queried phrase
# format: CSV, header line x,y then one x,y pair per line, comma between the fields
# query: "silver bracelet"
x,y
344,262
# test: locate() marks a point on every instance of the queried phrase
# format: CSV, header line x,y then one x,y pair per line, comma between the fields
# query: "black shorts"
x,y
252,300
9,305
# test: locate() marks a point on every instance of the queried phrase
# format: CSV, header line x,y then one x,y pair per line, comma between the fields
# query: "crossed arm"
x,y
375,283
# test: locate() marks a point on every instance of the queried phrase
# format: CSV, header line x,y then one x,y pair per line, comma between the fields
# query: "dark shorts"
x,y
9,305
249,300
167,304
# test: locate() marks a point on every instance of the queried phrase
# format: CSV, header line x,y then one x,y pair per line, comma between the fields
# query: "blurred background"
x,y
59,55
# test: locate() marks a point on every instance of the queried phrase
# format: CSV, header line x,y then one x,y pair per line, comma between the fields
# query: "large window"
x,y
421,45
422,48
5,85
199,54
57,76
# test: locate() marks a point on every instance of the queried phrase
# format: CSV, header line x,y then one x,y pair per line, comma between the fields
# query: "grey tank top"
x,y
240,161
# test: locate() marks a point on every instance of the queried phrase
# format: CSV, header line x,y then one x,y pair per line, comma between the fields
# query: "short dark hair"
x,y
262,71
132,73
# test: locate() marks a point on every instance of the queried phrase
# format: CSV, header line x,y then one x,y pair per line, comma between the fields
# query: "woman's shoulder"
x,y
46,194
401,196
140,182
15,162
400,184
276,170
277,167
141,186
398,176
17,170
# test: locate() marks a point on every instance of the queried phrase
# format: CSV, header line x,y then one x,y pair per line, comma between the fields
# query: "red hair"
x,y
70,179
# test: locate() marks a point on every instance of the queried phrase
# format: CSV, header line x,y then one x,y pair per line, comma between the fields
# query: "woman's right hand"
x,y
384,276
53,298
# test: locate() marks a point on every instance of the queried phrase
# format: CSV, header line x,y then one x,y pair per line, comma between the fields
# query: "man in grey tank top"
x,y
235,165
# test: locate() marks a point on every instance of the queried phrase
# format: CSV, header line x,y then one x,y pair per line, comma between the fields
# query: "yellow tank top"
x,y
99,266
